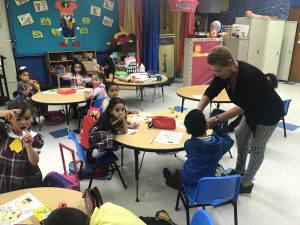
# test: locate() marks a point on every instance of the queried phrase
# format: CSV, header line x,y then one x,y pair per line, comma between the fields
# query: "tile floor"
x,y
274,199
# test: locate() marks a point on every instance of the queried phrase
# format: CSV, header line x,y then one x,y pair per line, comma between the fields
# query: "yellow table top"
x,y
143,139
146,83
51,97
49,196
195,93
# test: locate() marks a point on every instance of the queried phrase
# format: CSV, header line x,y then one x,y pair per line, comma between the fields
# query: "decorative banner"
x,y
201,73
37,34
40,6
108,5
84,30
86,20
184,5
45,21
55,32
25,19
107,21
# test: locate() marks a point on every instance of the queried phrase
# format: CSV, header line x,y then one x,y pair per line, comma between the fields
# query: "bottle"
x,y
142,68
172,109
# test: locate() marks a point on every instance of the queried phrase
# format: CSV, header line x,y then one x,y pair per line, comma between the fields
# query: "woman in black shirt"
x,y
253,95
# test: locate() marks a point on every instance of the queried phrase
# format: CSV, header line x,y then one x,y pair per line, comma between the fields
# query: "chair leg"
x,y
177,201
230,154
284,126
122,155
91,179
120,175
187,212
154,93
235,213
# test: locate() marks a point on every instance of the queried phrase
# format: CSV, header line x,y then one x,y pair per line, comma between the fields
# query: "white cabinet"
x,y
265,37
238,47
287,47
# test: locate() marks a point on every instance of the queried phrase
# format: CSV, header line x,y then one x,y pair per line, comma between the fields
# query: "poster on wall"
x,y
183,5
85,20
95,10
201,73
25,19
45,21
37,34
40,6
108,5
107,21
21,2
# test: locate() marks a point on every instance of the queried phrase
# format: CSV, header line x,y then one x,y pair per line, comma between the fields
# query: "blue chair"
x,y
202,217
210,191
104,158
286,105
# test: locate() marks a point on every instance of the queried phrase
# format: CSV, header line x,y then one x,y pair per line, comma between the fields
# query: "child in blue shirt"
x,y
203,152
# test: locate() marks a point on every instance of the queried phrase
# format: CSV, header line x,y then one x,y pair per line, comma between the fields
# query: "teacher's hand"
x,y
212,122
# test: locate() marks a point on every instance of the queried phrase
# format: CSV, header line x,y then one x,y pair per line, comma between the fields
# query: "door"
x,y
273,46
286,50
294,15
6,50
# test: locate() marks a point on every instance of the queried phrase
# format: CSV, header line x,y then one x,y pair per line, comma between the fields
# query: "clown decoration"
x,y
67,22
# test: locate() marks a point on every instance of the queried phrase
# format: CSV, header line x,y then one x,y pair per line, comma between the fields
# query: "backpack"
x,y
55,117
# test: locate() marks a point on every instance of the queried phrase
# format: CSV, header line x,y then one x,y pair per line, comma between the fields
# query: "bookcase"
x,y
59,62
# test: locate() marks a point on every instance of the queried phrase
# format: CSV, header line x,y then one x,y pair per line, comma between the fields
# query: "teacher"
x,y
253,95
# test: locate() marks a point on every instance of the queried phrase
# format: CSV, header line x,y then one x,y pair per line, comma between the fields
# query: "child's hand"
x,y
32,82
10,114
135,125
27,139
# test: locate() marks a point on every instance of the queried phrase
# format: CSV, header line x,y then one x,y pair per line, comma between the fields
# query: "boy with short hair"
x,y
203,152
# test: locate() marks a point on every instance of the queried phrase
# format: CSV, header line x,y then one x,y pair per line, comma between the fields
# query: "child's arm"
x,y
110,77
226,141
125,127
68,76
33,156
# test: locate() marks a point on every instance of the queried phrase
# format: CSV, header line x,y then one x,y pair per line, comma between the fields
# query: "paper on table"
x,y
197,96
168,137
139,117
132,131
20,209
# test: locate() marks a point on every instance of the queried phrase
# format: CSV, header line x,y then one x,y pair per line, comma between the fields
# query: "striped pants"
x,y
257,145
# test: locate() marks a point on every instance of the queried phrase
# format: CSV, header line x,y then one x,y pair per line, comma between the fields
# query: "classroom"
x,y
176,111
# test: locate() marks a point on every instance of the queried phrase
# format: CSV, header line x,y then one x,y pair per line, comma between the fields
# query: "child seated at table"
x,y
99,91
203,152
26,87
78,75
112,90
110,123
19,148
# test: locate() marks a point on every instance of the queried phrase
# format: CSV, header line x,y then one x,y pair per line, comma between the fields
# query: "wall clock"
x,y
224,5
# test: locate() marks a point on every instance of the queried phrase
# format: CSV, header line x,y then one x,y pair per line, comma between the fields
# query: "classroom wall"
x,y
294,3
237,8
29,49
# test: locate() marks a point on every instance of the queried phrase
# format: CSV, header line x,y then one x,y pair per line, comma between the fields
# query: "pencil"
x,y
118,120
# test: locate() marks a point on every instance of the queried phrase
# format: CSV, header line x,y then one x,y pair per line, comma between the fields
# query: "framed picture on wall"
x,y
95,11
107,21
200,23
108,5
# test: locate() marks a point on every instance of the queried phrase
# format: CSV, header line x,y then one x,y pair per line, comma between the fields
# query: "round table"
x,y
148,83
195,93
49,196
51,97
143,140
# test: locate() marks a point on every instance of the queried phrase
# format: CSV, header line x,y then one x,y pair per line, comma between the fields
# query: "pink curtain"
x,y
138,11
121,13
186,27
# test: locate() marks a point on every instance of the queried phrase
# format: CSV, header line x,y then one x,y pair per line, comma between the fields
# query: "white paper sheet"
x,y
197,96
168,137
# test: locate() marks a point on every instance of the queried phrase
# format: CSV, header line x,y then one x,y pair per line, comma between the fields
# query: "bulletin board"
x,y
38,27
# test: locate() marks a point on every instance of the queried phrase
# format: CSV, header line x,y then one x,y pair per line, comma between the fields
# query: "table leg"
x,y
162,92
136,165
67,117
182,104
142,98
58,82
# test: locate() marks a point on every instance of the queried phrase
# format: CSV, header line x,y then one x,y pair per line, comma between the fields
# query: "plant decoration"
x,y
122,39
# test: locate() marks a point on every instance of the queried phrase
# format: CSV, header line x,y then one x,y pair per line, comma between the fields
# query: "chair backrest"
x,y
286,105
202,217
98,103
80,151
216,190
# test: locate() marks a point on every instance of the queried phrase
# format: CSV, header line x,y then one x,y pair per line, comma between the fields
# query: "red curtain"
x,y
121,13
186,27
138,11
